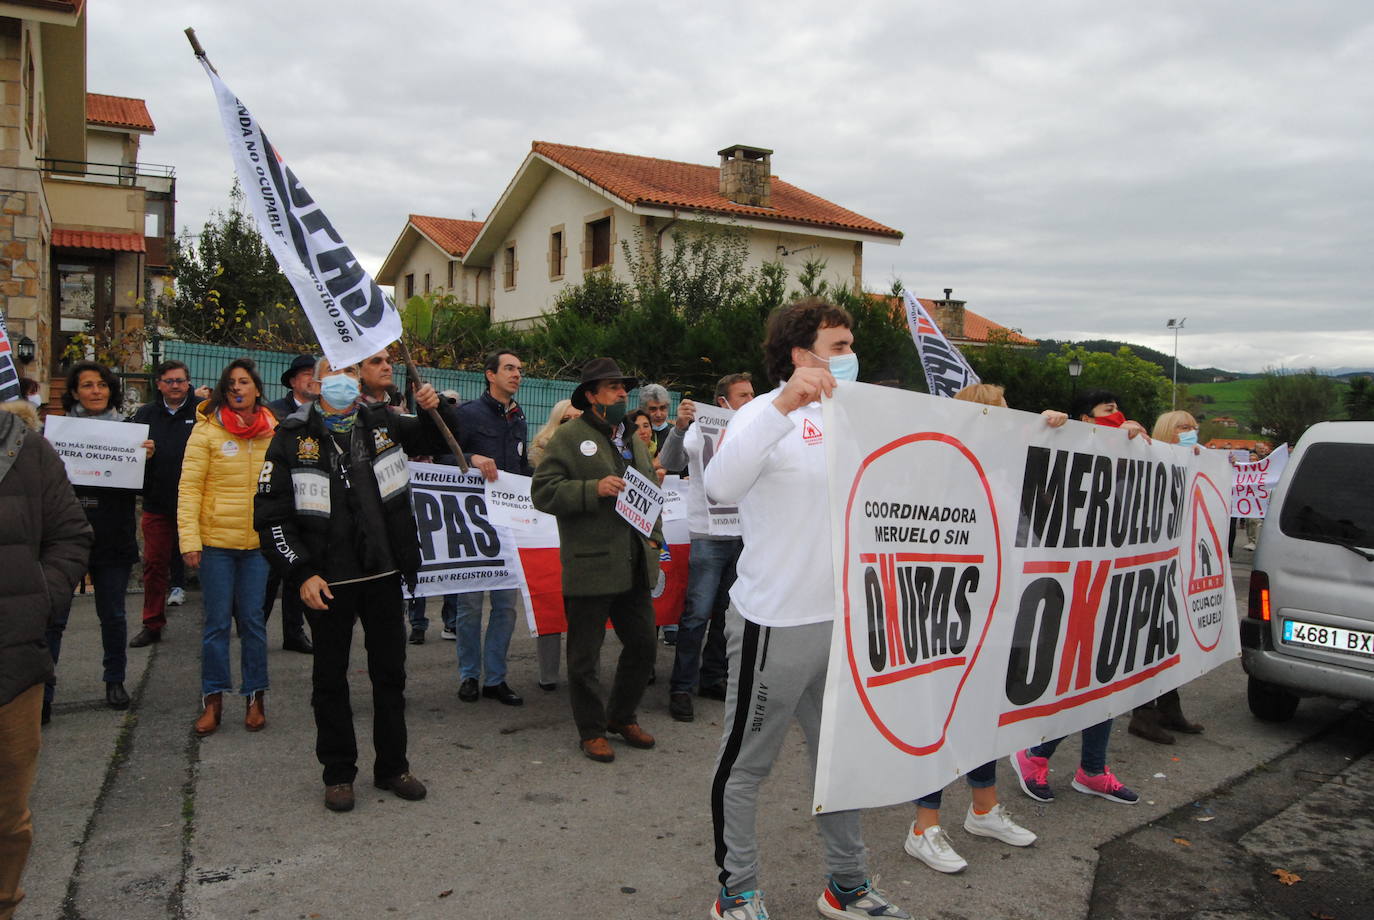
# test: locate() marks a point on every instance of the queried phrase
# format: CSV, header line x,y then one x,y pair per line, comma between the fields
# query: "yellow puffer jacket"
x,y
218,480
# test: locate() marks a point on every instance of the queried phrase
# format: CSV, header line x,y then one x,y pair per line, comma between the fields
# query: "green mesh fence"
x,y
537,396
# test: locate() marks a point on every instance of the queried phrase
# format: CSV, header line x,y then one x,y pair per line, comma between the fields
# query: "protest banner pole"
x,y
417,381
195,46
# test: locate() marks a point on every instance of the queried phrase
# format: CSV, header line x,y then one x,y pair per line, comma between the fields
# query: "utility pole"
x,y
1176,324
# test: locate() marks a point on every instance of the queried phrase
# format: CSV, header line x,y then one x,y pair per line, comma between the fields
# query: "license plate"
x,y
1296,632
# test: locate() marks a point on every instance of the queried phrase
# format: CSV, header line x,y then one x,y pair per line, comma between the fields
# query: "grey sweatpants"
x,y
776,673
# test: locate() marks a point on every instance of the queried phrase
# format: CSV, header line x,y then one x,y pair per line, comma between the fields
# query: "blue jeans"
x,y
418,619
474,654
977,778
710,574
1093,760
110,584
233,583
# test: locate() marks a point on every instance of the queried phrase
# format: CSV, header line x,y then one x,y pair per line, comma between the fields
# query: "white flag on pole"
x,y
946,370
9,374
348,311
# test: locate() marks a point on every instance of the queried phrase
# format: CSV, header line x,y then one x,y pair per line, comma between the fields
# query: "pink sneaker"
x,y
1106,785
1034,774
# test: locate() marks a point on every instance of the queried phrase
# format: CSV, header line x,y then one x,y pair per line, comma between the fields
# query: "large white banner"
x,y
462,548
97,452
1253,483
946,370
9,377
1000,582
348,311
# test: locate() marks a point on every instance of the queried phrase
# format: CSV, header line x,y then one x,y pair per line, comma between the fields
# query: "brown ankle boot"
x,y
1145,724
209,719
255,719
1171,714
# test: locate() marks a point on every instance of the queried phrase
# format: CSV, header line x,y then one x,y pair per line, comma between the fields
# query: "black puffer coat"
x,y
44,540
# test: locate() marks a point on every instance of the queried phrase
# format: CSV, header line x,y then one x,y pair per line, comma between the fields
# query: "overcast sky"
x,y
1072,169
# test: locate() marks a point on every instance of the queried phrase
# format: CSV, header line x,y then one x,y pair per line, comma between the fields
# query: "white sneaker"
x,y
932,848
176,597
1250,546
449,634
998,825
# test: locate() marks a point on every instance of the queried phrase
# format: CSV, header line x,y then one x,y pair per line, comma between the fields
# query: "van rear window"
x,y
1331,497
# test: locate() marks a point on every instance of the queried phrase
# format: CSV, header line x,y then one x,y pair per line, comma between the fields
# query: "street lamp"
x,y
1176,324
1075,368
24,348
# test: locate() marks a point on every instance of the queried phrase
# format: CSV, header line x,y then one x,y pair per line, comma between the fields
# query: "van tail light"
x,y
1259,597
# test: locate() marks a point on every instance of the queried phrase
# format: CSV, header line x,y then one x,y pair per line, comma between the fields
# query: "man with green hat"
x,y
608,566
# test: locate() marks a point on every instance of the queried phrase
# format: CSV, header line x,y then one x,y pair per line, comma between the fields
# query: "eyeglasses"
x,y
175,381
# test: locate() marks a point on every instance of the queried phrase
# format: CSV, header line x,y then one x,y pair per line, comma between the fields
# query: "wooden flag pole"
x,y
195,46
417,381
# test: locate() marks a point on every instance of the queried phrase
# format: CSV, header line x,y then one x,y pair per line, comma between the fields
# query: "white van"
x,y
1310,627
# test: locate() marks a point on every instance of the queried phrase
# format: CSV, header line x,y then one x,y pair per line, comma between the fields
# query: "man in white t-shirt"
x,y
771,464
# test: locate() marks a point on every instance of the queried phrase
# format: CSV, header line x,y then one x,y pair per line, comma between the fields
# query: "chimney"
x,y
949,315
745,175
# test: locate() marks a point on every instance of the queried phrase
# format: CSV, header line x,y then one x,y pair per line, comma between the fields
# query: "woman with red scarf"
x,y
219,477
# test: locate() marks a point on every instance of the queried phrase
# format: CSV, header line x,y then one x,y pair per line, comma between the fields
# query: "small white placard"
x,y
99,453
640,503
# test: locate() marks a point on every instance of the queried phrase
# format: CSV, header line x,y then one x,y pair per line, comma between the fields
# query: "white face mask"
x,y
842,367
35,399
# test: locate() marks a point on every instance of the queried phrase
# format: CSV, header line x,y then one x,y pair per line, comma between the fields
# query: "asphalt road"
x,y
137,818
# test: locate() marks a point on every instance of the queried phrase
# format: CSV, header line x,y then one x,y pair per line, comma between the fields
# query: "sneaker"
x,y
998,825
417,637
864,901
747,905
176,597
1250,546
448,634
933,848
670,638
1034,775
1106,785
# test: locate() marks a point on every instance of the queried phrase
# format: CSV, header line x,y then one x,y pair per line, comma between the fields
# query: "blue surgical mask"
x,y
340,390
1187,437
842,367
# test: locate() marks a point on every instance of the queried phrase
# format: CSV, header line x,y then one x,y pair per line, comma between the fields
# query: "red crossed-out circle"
x,y
873,716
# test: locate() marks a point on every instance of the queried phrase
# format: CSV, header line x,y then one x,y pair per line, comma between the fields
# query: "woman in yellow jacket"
x,y
219,477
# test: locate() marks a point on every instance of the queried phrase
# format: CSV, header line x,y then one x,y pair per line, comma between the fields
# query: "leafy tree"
x,y
1034,382
229,288
1285,404
1359,399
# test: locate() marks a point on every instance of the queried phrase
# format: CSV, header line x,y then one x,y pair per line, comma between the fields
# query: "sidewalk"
x,y
135,817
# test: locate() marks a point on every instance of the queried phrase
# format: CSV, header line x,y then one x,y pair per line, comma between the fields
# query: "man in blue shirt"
x,y
495,438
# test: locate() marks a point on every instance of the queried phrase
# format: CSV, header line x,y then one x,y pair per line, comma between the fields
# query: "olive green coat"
x,y
596,545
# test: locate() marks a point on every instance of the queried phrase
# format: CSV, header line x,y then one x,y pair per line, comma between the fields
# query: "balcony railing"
x,y
155,177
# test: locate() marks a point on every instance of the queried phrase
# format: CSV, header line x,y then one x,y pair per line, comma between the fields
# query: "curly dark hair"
x,y
69,400
795,326
220,395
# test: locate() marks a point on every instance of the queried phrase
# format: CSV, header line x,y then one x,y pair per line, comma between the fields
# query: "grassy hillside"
x,y
1230,398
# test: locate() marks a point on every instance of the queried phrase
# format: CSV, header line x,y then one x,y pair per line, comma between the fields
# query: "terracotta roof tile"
x,y
118,112
977,328
455,236
669,183
89,239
